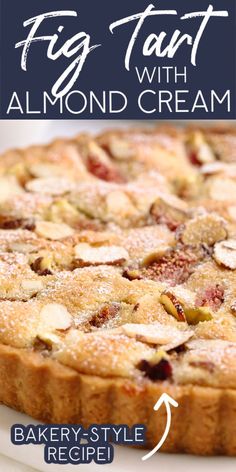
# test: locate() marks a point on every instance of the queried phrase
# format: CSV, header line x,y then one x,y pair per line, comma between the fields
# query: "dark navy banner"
x,y
104,59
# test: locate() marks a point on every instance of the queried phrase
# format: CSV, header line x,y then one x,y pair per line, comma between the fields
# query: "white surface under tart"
x,y
126,459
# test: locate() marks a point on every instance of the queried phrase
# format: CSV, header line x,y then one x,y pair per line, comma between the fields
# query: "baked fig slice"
x,y
174,265
212,296
160,369
199,150
99,164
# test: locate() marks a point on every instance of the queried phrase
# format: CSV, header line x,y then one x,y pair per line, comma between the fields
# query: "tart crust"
x,y
203,423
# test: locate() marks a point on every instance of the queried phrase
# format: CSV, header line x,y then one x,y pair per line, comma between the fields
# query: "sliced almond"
x,y
45,170
50,186
24,248
53,317
222,189
206,229
9,188
118,203
168,213
49,339
218,167
213,168
53,231
168,337
88,255
120,149
31,285
232,212
225,253
61,211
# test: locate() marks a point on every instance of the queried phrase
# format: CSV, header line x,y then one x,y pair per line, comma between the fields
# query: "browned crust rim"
x,y
204,423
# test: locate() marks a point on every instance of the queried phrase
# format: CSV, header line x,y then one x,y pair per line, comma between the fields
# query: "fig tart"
x,y
118,283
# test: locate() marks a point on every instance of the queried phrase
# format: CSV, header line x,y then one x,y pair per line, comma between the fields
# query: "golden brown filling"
x,y
118,254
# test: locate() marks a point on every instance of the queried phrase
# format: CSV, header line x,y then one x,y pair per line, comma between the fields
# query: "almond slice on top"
x,y
50,186
205,229
213,168
168,212
168,337
222,189
32,285
119,204
54,318
232,212
111,255
228,170
9,187
53,231
120,148
225,253
199,150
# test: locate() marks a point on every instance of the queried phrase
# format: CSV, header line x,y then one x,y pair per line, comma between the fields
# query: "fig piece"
x,y
212,296
175,265
161,370
105,314
199,150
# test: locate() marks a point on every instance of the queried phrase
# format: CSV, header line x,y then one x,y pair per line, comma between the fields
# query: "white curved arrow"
x,y
167,400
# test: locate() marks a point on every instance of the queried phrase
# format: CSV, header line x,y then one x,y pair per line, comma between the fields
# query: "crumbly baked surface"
x,y
118,282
